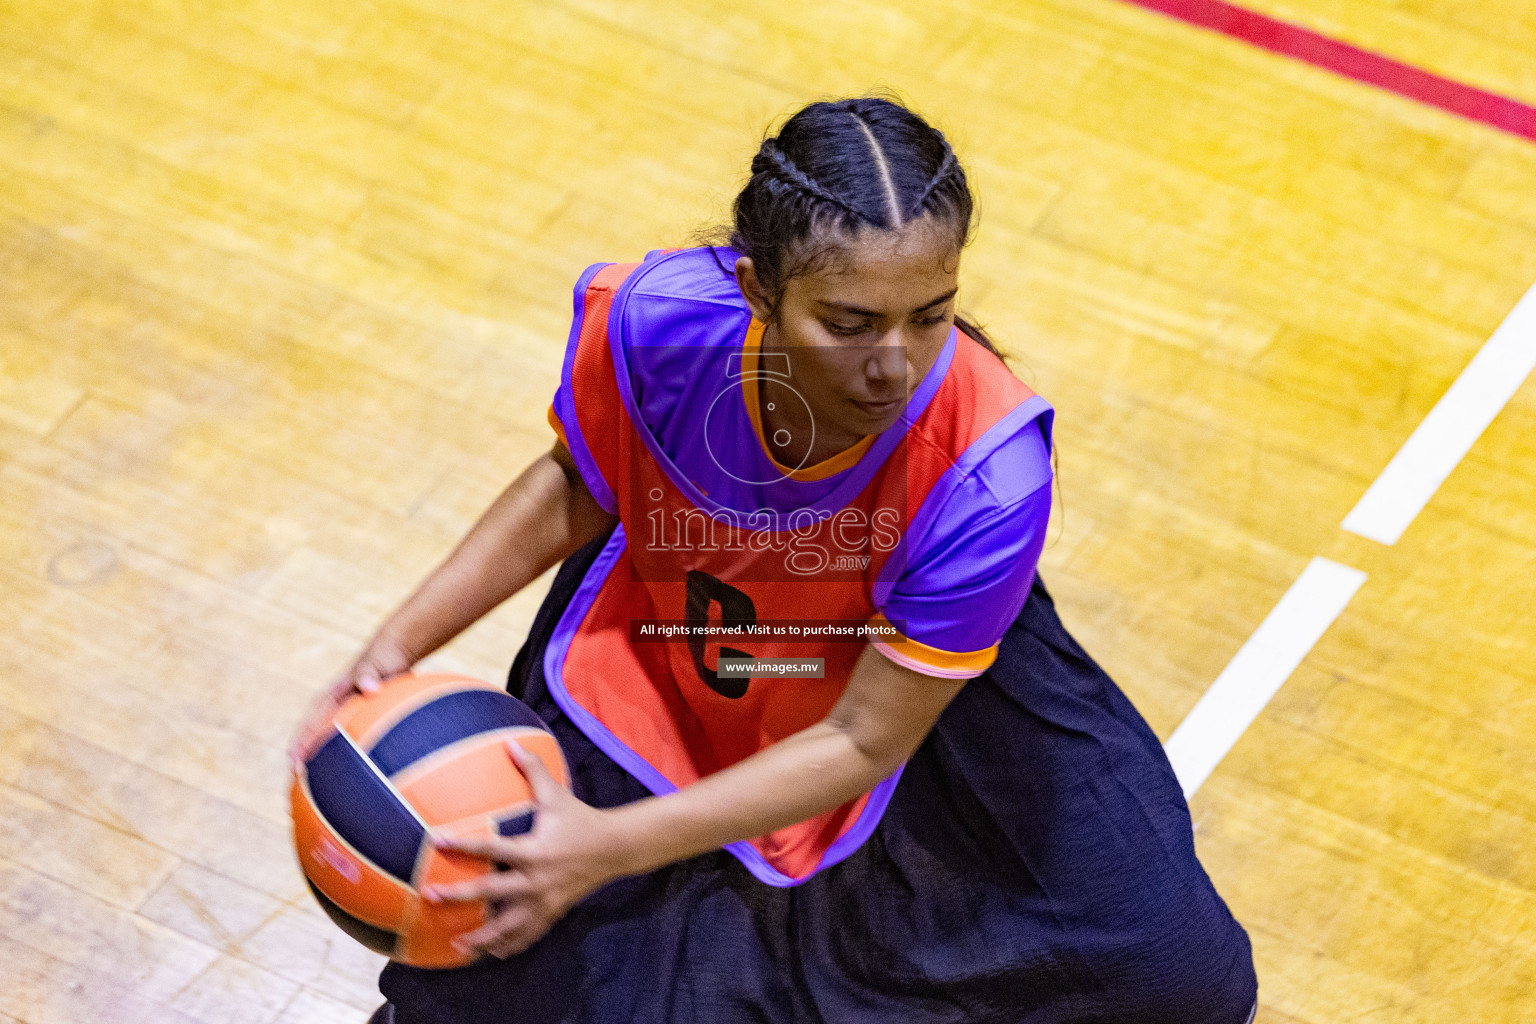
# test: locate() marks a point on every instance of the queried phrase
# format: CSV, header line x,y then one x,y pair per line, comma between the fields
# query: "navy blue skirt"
x,y
1036,864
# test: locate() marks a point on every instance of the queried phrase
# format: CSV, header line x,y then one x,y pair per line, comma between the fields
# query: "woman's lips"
x,y
878,408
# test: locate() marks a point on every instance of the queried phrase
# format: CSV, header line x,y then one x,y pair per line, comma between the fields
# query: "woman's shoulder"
x,y
990,430
703,274
678,299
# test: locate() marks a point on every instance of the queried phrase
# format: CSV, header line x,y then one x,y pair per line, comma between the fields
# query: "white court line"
x,y
1320,593
1258,670
1449,431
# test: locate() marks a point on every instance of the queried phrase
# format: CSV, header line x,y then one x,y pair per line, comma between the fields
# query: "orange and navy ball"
x,y
424,755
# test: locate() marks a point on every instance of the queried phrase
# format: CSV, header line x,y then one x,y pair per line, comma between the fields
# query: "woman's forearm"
x,y
542,517
876,724
797,778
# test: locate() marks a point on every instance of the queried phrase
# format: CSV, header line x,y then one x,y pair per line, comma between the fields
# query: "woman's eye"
x,y
930,321
847,330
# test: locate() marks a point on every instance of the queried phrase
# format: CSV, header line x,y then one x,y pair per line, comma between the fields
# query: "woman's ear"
x,y
752,289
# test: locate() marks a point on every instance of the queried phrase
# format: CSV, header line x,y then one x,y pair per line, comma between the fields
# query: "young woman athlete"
x,y
789,447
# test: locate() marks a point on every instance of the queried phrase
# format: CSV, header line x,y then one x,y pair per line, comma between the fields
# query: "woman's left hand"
x,y
569,852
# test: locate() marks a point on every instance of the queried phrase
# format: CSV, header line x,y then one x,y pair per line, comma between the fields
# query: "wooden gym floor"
x,y
283,291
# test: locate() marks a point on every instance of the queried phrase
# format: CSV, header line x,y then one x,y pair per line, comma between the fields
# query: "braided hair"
x,y
835,167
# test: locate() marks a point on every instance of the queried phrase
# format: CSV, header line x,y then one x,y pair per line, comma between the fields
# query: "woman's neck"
x,y
808,441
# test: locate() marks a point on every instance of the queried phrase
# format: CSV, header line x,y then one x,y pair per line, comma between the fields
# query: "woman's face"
x,y
862,331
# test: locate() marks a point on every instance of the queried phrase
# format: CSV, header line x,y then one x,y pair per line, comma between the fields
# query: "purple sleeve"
x,y
969,569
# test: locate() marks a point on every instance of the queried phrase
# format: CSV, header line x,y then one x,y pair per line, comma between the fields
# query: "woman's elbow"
x,y
881,750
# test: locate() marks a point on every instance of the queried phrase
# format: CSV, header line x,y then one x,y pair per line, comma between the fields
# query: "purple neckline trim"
x,y
608,743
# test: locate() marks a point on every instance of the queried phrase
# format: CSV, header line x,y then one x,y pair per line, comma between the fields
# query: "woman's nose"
x,y
888,359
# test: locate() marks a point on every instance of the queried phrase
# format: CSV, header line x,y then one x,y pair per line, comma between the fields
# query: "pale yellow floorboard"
x,y
60,921
283,294
1481,44
311,1007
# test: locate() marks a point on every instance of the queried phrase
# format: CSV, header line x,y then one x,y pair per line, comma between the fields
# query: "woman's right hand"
x,y
542,516
379,661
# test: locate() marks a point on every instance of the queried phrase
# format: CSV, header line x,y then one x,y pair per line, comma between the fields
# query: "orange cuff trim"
x,y
931,661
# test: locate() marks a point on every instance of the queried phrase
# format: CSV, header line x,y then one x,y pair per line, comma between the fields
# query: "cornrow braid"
x,y
791,174
835,169
947,167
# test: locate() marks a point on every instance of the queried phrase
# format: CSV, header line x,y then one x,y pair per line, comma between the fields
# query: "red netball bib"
x,y
723,553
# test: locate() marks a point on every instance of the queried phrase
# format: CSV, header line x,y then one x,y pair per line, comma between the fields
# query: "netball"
x,y
423,757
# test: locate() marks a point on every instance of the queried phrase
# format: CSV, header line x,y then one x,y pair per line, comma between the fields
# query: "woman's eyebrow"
x,y
940,300
860,311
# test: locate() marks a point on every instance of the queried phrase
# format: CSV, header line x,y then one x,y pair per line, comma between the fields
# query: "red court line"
x,y
1303,44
